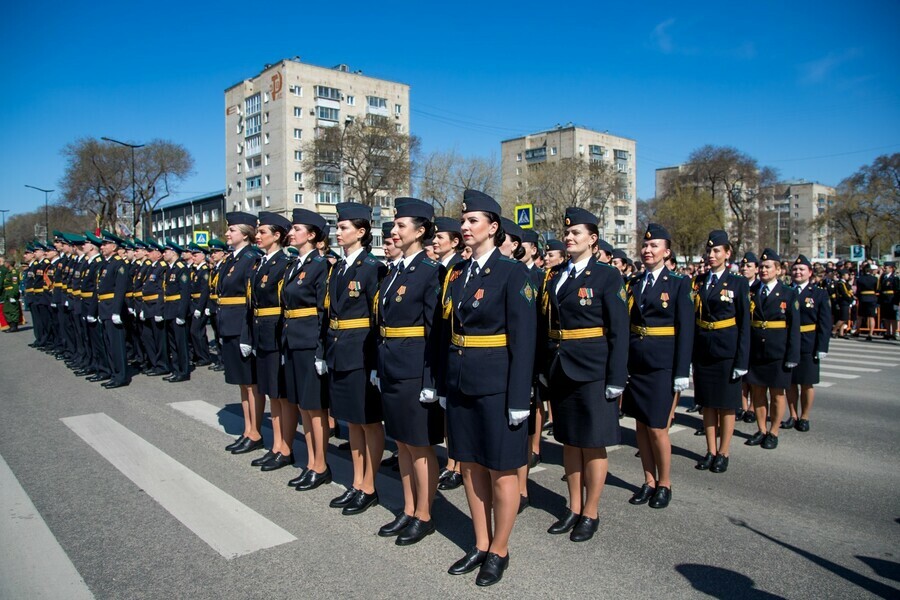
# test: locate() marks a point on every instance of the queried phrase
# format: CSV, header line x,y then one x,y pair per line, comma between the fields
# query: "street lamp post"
x,y
134,211
3,214
46,208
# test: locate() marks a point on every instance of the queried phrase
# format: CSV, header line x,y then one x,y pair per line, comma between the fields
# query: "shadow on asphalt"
x,y
883,568
722,583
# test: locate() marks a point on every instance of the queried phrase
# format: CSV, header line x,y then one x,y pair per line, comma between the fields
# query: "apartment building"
x,y
618,217
270,117
791,208
179,219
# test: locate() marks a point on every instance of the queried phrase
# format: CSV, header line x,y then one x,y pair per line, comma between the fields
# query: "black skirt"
x,y
770,374
868,309
270,374
582,416
406,419
238,370
353,399
304,385
714,387
649,397
478,430
806,372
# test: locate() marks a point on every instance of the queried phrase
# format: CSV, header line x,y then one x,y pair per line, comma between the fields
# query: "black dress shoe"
x,y
235,443
390,461
661,498
277,462
157,372
770,442
720,464
802,425
706,462
344,499
756,440
96,378
523,504
296,480
443,474
111,385
451,481
83,372
535,461
749,416
788,424
260,461
179,378
565,524
218,368
312,480
169,377
361,503
739,414
700,431
584,529
248,445
202,363
548,426
491,570
415,532
468,563
694,408
643,495
396,526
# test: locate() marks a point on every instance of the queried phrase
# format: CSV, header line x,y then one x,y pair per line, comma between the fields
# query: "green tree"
x,y
689,213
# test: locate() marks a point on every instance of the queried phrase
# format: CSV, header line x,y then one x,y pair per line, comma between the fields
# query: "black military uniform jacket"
x,y
304,288
177,290
265,293
498,300
351,296
153,291
112,287
667,304
74,297
888,286
215,271
595,298
866,289
233,283
815,319
55,276
768,343
410,300
199,287
728,299
89,279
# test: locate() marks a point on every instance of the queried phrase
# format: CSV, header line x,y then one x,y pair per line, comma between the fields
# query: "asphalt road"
x,y
129,494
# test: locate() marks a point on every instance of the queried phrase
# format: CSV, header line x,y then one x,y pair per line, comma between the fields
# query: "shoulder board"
x,y
600,263
371,260
318,258
117,257
249,253
162,263
429,262
179,264
203,267
676,275
507,259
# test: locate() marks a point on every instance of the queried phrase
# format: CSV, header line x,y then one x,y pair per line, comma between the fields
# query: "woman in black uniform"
x,y
350,347
659,360
585,329
490,318
721,348
407,312
303,299
265,303
234,327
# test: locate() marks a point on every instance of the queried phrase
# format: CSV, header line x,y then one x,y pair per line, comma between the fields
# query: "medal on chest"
x,y
665,299
354,288
264,280
479,294
586,295
400,291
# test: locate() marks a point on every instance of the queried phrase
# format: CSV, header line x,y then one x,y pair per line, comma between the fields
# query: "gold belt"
x,y
299,313
807,328
712,325
867,293
272,311
652,331
585,333
196,296
214,297
152,298
479,341
768,324
338,324
232,300
106,296
173,298
416,331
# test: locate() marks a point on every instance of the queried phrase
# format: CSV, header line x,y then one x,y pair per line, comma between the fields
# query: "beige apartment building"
x,y
618,217
270,117
792,207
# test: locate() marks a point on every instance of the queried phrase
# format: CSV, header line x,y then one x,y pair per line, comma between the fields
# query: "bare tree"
x,y
646,213
20,228
446,175
689,213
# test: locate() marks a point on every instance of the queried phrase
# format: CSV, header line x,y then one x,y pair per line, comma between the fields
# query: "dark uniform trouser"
x,y
82,342
37,322
155,343
198,338
114,336
178,343
99,359
214,322
49,333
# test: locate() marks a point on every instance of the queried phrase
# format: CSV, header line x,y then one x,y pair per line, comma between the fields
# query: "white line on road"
x,y
824,384
32,563
853,368
838,375
231,528
869,363
848,353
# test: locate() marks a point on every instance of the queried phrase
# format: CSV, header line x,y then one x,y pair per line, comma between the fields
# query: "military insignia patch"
x,y
622,296
528,292
121,270
796,305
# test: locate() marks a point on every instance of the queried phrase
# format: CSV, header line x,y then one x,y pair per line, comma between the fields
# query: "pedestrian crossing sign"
x,y
201,238
525,216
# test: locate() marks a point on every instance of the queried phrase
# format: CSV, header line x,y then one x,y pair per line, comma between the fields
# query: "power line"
x,y
833,155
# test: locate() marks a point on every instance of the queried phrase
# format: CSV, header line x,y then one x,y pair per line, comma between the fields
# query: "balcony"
x,y
536,154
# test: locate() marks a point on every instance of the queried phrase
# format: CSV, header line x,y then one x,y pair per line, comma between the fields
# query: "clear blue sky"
x,y
811,88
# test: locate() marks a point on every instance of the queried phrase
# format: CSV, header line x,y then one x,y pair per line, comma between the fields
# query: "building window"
x,y
519,157
396,109
268,201
252,125
553,151
188,220
595,150
296,90
237,168
205,216
351,100
298,198
298,155
253,183
327,177
266,117
181,221
298,177
328,92
328,197
265,159
376,102
621,154
266,137
398,127
328,114
518,170
214,214
298,112
252,105
266,97
253,145
536,153
267,179
253,163
298,134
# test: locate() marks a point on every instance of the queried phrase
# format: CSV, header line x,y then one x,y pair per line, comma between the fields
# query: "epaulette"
x,y
318,258
117,257
603,264
430,262
371,260
676,275
508,259
250,253
162,263
179,264
203,266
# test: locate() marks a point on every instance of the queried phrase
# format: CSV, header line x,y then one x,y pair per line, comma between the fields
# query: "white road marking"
x,y
859,355
229,527
210,415
853,369
869,363
32,563
837,375
824,384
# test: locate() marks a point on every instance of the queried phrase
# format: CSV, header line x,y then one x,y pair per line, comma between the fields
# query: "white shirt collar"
x,y
771,285
579,266
351,258
802,286
656,272
483,260
408,259
303,258
448,258
271,254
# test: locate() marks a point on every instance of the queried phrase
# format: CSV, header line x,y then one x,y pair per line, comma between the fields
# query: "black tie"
x,y
565,285
647,288
764,293
473,271
397,274
342,266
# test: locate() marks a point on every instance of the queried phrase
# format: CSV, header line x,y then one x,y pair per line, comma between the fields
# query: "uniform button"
x,y
459,352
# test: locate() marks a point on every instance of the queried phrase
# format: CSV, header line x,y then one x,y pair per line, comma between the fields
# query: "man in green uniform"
x,y
9,294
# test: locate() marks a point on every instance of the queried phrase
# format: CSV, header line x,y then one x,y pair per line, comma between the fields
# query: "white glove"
x,y
543,380
321,366
66,304
517,416
442,400
821,355
158,319
245,350
738,373
207,312
613,391
197,314
373,379
143,318
790,365
427,396
282,360
117,319
52,305
91,319
681,384
131,311
179,321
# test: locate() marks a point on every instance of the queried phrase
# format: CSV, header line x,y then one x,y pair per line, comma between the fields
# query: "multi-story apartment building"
x,y
791,210
617,217
179,220
268,119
